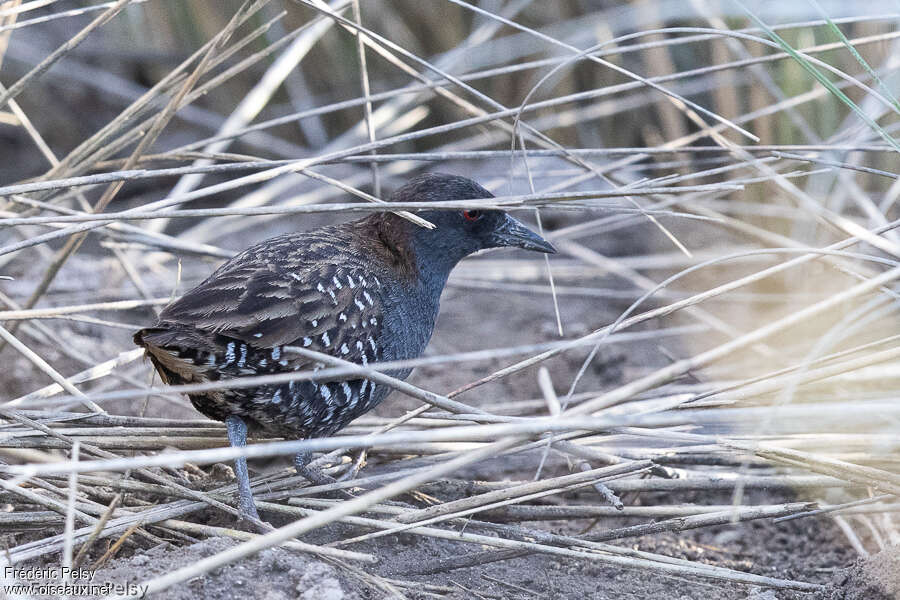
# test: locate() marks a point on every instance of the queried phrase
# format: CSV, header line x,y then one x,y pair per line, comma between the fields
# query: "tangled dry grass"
x,y
721,184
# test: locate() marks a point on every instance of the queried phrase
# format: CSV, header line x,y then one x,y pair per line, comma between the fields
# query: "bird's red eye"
x,y
472,215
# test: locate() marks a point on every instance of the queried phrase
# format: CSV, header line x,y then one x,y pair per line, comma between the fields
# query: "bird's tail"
x,y
139,336
173,353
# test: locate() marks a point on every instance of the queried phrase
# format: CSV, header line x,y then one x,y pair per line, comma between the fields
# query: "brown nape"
x,y
387,236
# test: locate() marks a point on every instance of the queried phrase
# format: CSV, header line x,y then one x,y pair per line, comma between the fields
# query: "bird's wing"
x,y
327,306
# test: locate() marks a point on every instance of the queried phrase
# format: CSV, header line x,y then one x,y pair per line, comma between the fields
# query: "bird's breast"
x,y
410,315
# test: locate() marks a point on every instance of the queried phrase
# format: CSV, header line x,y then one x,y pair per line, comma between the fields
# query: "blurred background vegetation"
x,y
88,87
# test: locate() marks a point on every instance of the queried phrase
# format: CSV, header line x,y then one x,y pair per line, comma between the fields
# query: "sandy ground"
x,y
277,573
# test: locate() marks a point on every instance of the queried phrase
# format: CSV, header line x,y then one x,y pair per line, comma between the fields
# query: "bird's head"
x,y
459,233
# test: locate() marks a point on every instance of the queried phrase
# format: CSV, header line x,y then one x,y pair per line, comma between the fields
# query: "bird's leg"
x,y
237,435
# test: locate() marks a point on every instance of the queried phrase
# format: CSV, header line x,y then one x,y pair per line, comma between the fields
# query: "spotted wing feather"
x,y
238,321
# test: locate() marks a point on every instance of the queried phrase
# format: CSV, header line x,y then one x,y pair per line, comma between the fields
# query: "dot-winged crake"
x,y
364,291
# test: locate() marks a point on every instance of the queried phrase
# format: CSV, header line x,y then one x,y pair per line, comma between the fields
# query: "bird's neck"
x,y
420,272
435,257
415,306
417,258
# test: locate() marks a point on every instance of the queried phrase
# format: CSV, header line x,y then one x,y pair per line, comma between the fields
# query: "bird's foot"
x,y
358,464
315,476
248,517
247,506
253,525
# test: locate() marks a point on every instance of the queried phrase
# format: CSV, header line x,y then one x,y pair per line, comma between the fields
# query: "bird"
x,y
364,291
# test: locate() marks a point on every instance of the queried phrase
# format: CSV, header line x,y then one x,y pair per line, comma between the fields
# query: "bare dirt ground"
x,y
277,573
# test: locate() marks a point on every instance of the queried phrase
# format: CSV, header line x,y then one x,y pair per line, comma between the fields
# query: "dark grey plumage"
x,y
364,291
302,290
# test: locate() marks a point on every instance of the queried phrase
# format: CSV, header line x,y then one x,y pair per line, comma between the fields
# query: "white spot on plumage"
x,y
347,391
295,276
373,321
306,342
320,288
229,353
263,362
243,359
362,281
336,282
369,299
277,397
258,334
314,322
359,304
276,353
325,339
342,317
378,283
333,298
283,362
326,393
345,349
362,388
350,281
372,343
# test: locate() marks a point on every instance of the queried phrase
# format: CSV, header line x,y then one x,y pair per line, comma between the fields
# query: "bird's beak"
x,y
513,233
